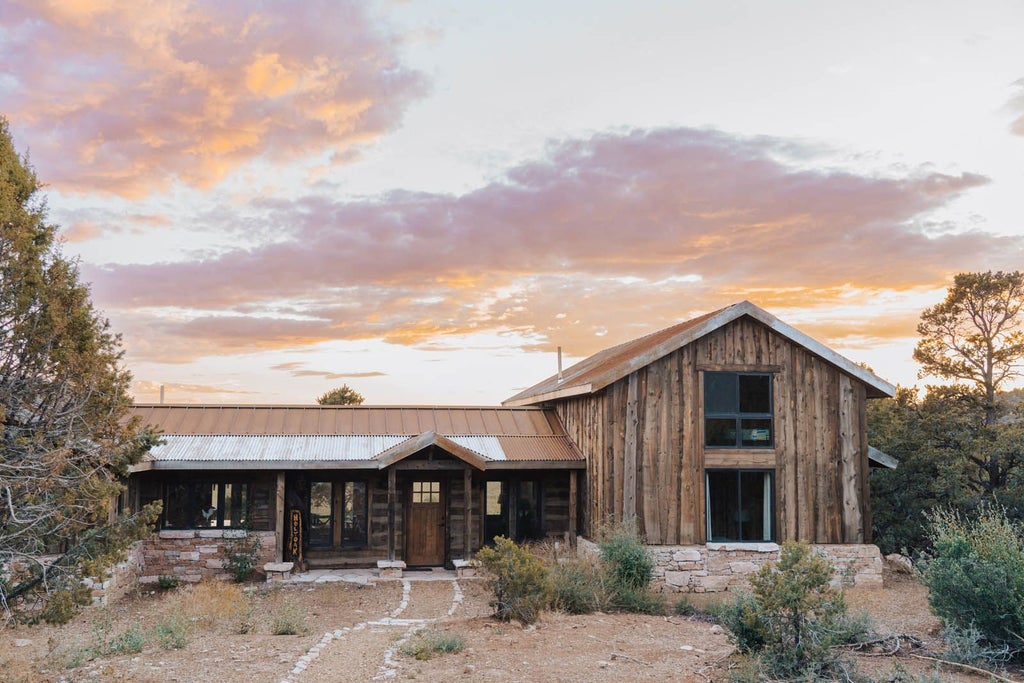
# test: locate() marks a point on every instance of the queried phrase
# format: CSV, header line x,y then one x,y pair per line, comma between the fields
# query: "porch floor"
x,y
365,576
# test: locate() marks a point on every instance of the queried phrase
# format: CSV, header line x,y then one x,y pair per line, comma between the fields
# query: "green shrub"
x,y
638,601
520,581
578,587
625,557
289,620
975,573
425,643
167,582
794,618
968,646
62,605
242,554
174,631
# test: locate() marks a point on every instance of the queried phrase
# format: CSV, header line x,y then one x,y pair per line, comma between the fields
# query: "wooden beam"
x,y
467,496
279,519
738,367
391,513
629,454
738,458
573,494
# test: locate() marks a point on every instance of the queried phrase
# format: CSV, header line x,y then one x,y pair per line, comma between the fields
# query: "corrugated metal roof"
x,y
348,420
263,448
236,449
605,367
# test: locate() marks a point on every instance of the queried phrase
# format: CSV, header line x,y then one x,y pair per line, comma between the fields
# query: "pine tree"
x,y
66,440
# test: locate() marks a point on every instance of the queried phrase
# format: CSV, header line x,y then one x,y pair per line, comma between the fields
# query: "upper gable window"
x,y
738,410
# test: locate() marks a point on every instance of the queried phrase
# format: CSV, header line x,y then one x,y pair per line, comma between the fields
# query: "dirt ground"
x,y
357,633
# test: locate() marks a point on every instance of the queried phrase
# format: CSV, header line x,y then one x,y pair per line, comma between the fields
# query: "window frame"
x,y
193,511
737,416
738,504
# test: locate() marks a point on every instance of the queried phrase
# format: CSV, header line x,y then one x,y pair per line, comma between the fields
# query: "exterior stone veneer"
x,y
194,555
726,566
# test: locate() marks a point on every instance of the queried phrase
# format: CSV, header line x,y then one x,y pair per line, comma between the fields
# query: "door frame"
x,y
407,512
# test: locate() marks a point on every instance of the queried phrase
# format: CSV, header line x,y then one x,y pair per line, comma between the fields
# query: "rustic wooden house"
x,y
732,426
725,434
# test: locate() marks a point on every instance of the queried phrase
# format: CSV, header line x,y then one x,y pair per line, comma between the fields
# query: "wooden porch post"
x,y
573,494
467,487
391,513
279,522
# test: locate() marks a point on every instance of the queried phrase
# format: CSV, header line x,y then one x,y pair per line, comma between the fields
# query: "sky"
x,y
423,200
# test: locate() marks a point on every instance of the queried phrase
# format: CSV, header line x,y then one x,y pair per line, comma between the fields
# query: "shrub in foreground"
x,y
520,580
793,618
975,573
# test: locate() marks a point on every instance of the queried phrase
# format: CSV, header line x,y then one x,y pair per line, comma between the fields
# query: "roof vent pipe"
x,y
559,363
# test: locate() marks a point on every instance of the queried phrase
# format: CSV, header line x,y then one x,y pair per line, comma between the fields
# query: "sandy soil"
x,y
355,633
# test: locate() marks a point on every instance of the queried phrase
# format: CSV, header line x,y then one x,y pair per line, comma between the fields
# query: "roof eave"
x,y
566,392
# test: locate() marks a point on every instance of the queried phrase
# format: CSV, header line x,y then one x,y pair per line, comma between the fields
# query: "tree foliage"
x,y
342,396
976,335
960,444
65,436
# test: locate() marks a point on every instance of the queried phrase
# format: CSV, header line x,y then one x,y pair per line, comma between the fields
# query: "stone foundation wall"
x,y
726,566
195,555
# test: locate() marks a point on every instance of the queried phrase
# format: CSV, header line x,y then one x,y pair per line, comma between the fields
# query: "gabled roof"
x,y
606,367
351,437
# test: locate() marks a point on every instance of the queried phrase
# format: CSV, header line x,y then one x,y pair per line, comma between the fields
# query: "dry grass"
x,y
211,603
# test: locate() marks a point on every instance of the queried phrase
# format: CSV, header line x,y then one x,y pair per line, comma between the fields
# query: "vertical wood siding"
x,y
643,438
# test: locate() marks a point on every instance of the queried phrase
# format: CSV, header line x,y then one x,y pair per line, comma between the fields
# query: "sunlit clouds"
x,y
623,232
156,91
423,200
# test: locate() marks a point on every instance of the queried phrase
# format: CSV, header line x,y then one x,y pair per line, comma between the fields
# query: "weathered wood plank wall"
x,y
643,437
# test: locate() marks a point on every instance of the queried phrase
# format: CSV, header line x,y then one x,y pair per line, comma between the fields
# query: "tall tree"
x,y
65,437
342,396
976,337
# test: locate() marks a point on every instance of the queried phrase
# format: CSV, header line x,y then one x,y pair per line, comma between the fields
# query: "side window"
x,y
738,410
740,505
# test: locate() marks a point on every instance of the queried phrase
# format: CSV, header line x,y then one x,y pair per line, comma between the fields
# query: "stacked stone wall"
x,y
194,555
727,566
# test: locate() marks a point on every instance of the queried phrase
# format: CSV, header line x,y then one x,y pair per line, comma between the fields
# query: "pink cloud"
x,y
128,97
1017,107
602,239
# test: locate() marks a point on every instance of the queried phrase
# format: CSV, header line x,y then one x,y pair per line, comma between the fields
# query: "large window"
x,y
192,504
738,410
326,498
513,509
739,505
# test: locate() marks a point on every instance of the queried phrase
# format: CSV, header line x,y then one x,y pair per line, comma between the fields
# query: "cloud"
x,y
147,388
129,97
1017,107
602,239
297,370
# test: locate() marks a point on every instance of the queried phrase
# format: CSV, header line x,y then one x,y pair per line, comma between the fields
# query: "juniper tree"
x,y
66,439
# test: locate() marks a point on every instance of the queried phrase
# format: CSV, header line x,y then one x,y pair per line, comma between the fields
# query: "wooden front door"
x,y
424,544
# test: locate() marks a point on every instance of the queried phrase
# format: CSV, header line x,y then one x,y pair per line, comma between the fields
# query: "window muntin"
x,y
426,492
738,410
740,505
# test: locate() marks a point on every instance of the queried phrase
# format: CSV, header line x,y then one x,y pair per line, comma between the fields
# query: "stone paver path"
x,y
368,650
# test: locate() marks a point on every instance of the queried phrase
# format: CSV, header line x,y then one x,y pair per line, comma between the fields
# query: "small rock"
x,y
686,647
22,642
468,669
602,665
900,563
716,629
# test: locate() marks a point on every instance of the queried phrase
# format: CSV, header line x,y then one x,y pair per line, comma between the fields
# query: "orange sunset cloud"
x,y
602,239
158,91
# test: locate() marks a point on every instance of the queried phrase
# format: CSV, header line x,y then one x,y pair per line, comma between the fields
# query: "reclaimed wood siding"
x,y
643,438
